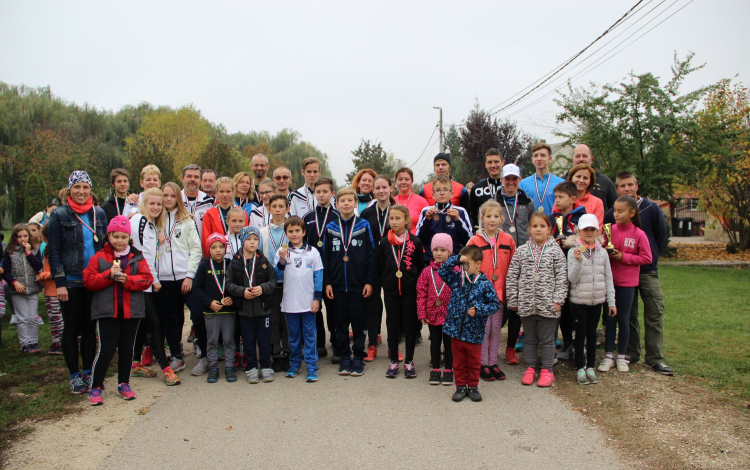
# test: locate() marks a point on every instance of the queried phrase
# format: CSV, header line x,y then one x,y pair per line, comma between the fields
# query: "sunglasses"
x,y
282,177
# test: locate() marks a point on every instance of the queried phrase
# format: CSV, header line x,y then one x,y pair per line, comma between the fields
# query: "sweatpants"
x,y
514,326
624,302
279,332
54,316
491,344
438,339
351,309
466,362
374,314
585,320
27,308
77,322
199,323
152,327
401,315
114,334
256,335
649,288
302,325
171,315
220,323
538,332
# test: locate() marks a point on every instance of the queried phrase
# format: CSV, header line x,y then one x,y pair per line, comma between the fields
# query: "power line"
x,y
425,147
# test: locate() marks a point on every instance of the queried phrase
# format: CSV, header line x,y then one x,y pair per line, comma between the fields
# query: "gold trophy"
x,y
559,221
608,233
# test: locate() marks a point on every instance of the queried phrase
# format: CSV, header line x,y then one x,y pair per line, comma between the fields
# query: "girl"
x,y
498,248
584,177
433,296
21,264
176,266
362,183
590,285
406,196
51,302
35,237
400,261
261,215
537,287
216,219
118,275
244,192
148,237
631,250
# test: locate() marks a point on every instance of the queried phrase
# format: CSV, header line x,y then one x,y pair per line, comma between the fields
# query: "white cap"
x,y
588,221
511,170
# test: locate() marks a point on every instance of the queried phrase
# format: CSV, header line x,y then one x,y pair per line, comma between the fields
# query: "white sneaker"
x,y
252,376
622,365
177,365
266,375
39,320
606,364
13,320
201,368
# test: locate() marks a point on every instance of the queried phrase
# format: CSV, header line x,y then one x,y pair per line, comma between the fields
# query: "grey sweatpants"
x,y
539,331
27,306
220,323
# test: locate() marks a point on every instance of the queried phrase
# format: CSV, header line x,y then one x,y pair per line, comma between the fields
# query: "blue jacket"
x,y
458,323
652,222
362,265
66,244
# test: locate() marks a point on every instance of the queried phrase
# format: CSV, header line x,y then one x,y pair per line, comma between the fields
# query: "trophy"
x,y
608,234
559,221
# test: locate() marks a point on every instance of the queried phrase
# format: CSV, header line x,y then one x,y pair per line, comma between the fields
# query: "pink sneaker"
x,y
546,378
95,397
528,376
125,392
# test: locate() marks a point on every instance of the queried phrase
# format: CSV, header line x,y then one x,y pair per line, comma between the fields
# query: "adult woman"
x,y
244,192
406,196
77,230
584,177
362,183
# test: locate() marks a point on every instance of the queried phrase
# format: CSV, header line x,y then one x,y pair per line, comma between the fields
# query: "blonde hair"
x,y
224,180
236,210
236,180
491,205
182,213
143,204
346,192
405,211
150,168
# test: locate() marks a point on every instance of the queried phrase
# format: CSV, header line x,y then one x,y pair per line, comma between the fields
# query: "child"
x,y
400,261
631,250
251,282
244,192
261,215
302,268
350,267
272,237
117,275
216,219
219,310
473,300
236,220
495,266
150,178
537,287
35,237
590,285
21,264
433,296
443,217
118,204
51,302
303,199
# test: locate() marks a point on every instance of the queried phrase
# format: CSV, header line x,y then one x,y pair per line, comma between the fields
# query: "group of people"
x,y
257,263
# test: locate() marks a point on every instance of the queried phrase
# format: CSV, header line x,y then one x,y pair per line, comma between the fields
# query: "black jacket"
x,y
263,277
411,265
374,216
482,192
205,287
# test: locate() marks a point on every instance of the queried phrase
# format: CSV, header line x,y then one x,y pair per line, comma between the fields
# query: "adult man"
x,y
282,177
604,188
649,286
442,166
208,182
540,186
260,165
117,204
303,199
486,189
196,201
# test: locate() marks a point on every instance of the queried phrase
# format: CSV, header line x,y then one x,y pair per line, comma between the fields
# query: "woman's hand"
x,y
62,294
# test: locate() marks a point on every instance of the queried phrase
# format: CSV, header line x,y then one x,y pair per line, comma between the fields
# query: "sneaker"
x,y
34,349
322,352
125,392
138,370
372,353
528,376
555,360
510,356
567,352
147,358
447,377
460,393
170,378
622,365
95,397
230,374
345,368
335,360
55,349
291,373
358,367
546,378
266,375
380,339
409,370
519,343
191,335
252,376
88,379
582,378
276,363
591,375
77,386
392,371
201,367
434,377
213,375
606,364
285,361
177,364
312,376
558,344
400,356
474,394
25,349
197,350
497,373
13,320
486,374
663,369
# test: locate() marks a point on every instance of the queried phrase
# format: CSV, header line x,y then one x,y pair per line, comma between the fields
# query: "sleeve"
x,y
7,266
422,287
512,282
660,229
574,266
465,202
208,229
473,209
235,286
194,246
93,280
464,227
643,256
35,260
54,245
420,224
380,256
488,302
419,254
372,264
269,286
140,281
609,282
278,267
531,208
450,273
199,282
561,277
326,257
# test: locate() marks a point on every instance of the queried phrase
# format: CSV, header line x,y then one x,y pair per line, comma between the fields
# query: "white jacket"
x,y
199,207
590,279
145,238
302,201
185,249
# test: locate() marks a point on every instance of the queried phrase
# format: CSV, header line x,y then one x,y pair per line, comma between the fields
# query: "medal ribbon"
x,y
398,259
465,277
537,261
171,232
117,205
434,283
190,207
251,274
544,194
273,243
85,224
343,235
381,227
494,248
400,199
216,278
511,218
242,201
318,228
590,250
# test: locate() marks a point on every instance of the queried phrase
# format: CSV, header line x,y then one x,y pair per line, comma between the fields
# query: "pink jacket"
x,y
633,243
415,203
426,296
593,205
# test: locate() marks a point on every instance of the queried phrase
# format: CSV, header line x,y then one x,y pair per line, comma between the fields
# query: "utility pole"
x,y
441,127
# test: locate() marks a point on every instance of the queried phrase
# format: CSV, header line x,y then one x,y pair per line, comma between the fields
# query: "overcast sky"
x,y
340,71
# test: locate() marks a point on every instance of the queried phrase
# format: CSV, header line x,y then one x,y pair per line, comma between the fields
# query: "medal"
x,y
541,209
320,229
92,230
346,258
399,274
436,218
168,249
494,277
320,243
96,239
511,218
438,303
544,193
537,261
582,249
346,243
512,229
400,258
537,277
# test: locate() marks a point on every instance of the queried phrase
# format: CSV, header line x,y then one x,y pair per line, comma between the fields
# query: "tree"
x,y
220,157
371,156
35,196
460,170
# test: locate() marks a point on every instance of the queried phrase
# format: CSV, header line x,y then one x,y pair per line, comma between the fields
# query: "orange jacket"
x,y
212,224
505,249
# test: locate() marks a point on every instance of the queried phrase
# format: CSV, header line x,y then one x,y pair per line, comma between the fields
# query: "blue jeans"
x,y
624,302
299,325
257,331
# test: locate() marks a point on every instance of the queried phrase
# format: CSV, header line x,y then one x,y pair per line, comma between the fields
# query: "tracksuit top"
x,y
633,243
202,203
361,268
302,201
653,224
145,239
411,263
482,192
312,227
459,230
184,253
205,287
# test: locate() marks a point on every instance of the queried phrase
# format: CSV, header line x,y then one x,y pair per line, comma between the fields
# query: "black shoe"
x,y
230,374
322,352
460,393
662,368
285,362
474,394
335,359
419,338
497,373
276,364
434,377
631,359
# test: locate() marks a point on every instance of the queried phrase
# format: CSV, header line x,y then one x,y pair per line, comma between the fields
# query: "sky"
x,y
339,72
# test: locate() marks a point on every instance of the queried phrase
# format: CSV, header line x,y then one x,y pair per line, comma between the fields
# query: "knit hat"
x,y
78,176
245,232
217,237
442,240
588,221
119,223
442,156
511,170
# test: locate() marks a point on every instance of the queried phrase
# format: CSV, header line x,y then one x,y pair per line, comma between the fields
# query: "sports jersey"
x,y
198,207
303,278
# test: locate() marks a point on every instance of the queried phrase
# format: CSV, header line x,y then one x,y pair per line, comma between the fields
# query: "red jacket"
x,y
212,224
505,249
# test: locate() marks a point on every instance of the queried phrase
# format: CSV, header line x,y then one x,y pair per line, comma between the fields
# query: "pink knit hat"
x,y
442,240
119,224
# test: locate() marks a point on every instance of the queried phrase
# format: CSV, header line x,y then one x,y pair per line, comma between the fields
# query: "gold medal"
x,y
399,274
285,246
582,249
116,263
438,303
346,258
320,243
96,239
541,209
225,301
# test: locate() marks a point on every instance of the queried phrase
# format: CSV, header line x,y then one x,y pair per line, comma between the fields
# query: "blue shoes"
x,y
312,375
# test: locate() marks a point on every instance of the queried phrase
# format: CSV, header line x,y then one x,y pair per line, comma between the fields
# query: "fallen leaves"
x,y
707,252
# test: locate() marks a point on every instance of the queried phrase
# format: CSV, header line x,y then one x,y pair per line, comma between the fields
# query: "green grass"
x,y
707,325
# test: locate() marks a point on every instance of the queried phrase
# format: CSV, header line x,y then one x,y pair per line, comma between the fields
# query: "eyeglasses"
x,y
442,190
281,177
265,193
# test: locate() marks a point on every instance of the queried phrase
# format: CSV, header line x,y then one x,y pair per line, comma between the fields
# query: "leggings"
x,y
514,326
566,322
624,302
438,338
585,319
77,322
54,315
374,314
401,314
153,327
491,344
114,334
171,315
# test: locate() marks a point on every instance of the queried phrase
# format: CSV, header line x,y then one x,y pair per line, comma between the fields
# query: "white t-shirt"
x,y
299,278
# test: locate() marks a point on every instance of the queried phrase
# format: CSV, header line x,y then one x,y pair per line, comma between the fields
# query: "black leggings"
x,y
171,314
585,319
77,322
438,338
514,326
153,327
566,322
401,314
374,315
114,334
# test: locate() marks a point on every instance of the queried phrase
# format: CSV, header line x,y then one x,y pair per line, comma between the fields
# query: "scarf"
x,y
395,239
364,197
80,208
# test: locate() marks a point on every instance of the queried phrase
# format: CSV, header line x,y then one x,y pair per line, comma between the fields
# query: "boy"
x,y
540,185
216,219
473,300
350,269
303,199
150,178
236,219
302,268
443,217
272,238
315,224
219,311
117,204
